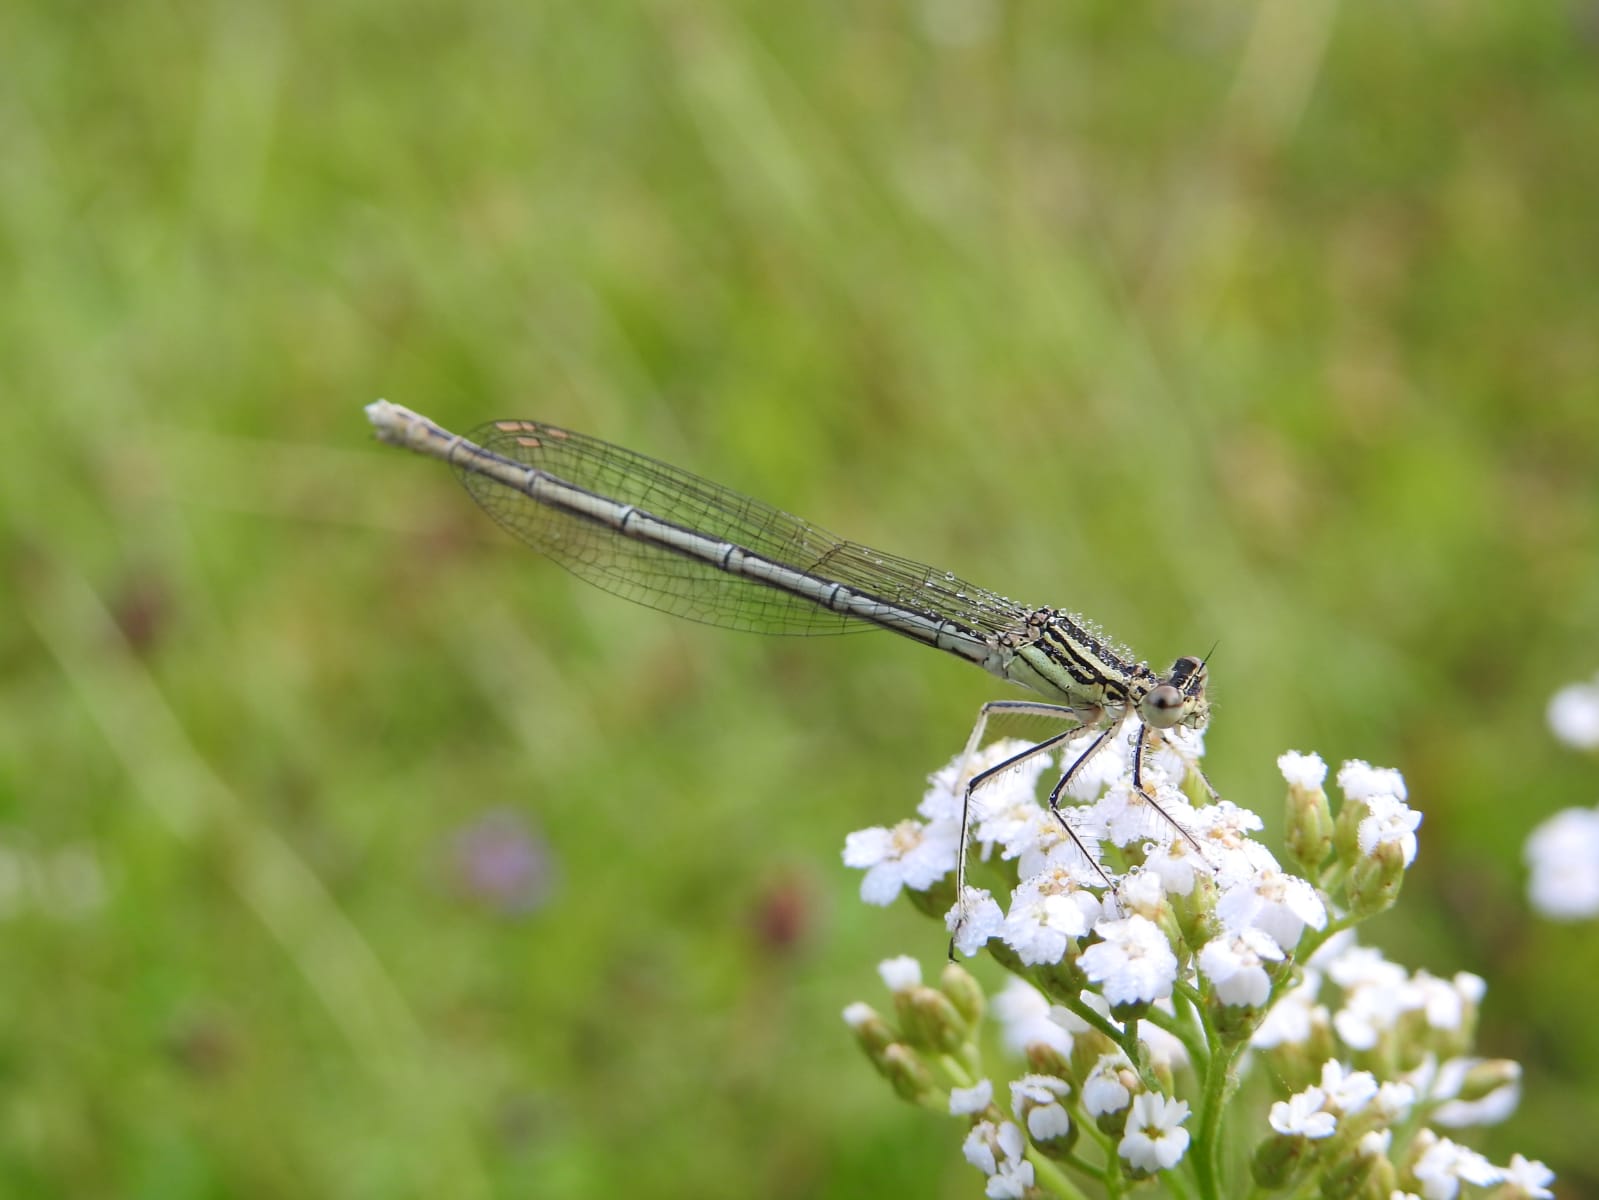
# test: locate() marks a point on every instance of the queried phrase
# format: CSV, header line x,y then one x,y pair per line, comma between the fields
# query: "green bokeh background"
x,y
1272,326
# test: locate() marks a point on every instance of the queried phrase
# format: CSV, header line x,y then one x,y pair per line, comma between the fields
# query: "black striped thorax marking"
x,y
1089,661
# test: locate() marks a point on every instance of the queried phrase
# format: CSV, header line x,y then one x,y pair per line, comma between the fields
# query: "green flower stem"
x,y
1332,877
1111,1174
1115,1181
1404,1131
1095,1134
1047,1174
957,1071
1084,1167
1218,1080
1176,1184
1206,1025
972,1056
1129,1044
1126,1038
936,1103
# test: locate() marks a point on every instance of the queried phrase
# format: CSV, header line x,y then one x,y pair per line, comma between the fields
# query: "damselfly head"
x,y
1179,698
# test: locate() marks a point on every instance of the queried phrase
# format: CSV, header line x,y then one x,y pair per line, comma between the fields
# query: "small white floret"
x,y
1395,1100
1303,1115
910,855
1135,961
997,1151
1128,816
856,1015
1236,966
1374,1143
1529,1177
1275,901
1106,1089
968,1101
1049,913
1389,821
1347,1091
1035,1100
946,788
973,920
900,974
1361,781
1155,1139
1444,1165
1302,770
1488,1109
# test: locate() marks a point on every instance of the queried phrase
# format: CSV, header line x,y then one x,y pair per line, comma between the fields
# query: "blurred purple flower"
x,y
502,864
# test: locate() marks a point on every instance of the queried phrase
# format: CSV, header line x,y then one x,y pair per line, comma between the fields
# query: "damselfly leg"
x,y
1109,728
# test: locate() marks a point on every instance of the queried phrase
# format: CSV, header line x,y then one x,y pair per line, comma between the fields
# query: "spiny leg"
x,y
1144,733
1059,712
1028,708
1065,781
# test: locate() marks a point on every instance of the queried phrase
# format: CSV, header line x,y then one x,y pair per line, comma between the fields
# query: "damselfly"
x,y
668,539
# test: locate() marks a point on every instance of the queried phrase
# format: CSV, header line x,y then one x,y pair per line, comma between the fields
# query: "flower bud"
x,y
902,1067
1232,1022
1197,920
1108,1091
1044,1059
964,992
1089,1048
929,1019
1353,1173
1162,1070
1279,1158
1296,1065
1132,1010
1375,880
1487,1077
1346,830
872,1032
1114,1123
1309,835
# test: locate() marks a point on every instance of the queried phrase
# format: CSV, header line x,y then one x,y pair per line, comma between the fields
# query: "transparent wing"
x,y
688,587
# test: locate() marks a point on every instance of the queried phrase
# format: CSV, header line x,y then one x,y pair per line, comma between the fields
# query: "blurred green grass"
x,y
1270,326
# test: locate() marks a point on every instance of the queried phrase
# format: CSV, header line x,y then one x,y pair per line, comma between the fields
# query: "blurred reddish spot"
x,y
141,607
203,1047
782,914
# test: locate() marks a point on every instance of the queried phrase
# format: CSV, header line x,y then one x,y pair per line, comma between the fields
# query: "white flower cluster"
x,y
1562,853
1574,714
1168,850
1416,1029
1148,1125
1153,976
1384,1007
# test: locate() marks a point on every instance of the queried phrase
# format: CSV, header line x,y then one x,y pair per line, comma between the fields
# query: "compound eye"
x,y
1186,669
1164,706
